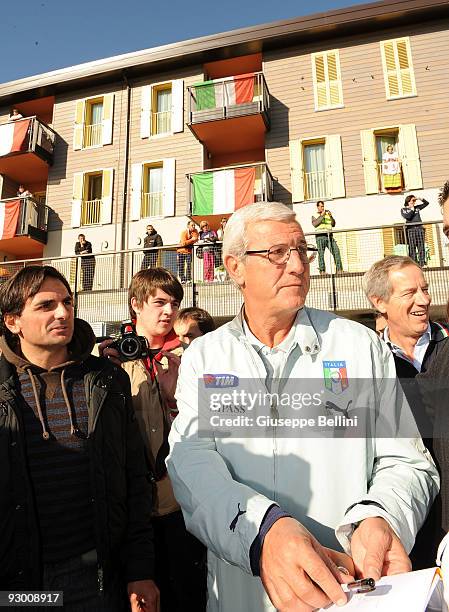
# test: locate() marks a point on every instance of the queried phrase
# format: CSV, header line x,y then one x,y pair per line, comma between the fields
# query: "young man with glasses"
x,y
270,501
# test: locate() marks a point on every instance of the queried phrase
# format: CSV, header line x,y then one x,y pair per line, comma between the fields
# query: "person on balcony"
x,y
15,114
208,238
188,238
84,247
151,241
391,170
24,193
219,247
415,233
324,222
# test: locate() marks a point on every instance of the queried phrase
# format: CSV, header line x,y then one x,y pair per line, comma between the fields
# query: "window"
x,y
93,122
152,201
398,68
317,168
162,109
327,80
398,171
153,189
92,197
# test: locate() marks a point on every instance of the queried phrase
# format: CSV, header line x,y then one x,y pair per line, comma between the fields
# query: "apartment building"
x,y
296,111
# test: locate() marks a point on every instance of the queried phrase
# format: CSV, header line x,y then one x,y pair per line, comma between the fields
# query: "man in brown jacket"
x,y
188,237
154,296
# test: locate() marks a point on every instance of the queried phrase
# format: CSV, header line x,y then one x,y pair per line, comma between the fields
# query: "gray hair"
x,y
376,282
235,240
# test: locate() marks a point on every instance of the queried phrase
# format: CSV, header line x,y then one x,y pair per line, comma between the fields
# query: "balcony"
x,y
30,219
226,114
26,149
222,190
390,183
93,135
91,212
315,185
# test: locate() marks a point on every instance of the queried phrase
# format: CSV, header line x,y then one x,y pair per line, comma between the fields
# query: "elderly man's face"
x,y
283,288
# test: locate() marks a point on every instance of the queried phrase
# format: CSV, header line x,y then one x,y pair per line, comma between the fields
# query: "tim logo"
x,y
335,376
220,381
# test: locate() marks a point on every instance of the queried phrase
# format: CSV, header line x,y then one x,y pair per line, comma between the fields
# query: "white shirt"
x,y
419,351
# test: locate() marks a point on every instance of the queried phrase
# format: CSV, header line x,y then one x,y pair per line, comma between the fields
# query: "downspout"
x,y
123,242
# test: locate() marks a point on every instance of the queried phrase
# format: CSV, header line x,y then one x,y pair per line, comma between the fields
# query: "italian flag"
x,y
217,94
9,217
13,136
223,191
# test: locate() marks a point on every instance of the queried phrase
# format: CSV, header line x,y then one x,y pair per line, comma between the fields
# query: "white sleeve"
x,y
209,497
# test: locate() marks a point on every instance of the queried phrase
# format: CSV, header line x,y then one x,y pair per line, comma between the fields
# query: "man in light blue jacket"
x,y
332,460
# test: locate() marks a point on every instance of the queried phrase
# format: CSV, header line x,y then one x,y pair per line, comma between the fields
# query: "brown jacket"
x,y
187,239
150,413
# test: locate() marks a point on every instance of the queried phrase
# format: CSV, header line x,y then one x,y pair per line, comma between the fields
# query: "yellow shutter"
x,y
388,240
79,125
352,251
409,154
297,170
327,80
108,116
398,69
335,179
370,169
106,195
78,194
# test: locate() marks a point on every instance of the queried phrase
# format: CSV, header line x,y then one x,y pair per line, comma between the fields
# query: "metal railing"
x,y
32,219
93,135
217,99
152,204
91,212
315,184
100,281
161,123
39,139
263,186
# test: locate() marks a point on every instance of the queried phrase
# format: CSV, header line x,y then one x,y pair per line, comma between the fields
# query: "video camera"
x,y
129,345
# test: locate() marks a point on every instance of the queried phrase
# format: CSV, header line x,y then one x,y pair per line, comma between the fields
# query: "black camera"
x,y
129,345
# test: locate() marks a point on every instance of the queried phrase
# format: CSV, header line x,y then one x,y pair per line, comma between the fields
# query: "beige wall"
x,y
289,77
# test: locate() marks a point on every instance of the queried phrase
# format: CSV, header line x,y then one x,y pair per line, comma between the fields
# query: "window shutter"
x,y
370,169
177,96
335,178
296,170
106,195
398,69
388,240
409,153
145,112
169,178
108,116
327,80
136,191
78,187
79,125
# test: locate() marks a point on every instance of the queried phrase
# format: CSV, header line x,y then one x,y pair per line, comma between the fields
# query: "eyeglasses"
x,y
280,253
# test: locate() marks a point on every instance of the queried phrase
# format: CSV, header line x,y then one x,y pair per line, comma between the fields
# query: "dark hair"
x,y
444,194
203,319
22,286
320,202
408,198
145,283
83,235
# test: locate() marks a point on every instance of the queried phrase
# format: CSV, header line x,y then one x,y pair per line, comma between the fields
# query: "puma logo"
x,y
233,525
330,406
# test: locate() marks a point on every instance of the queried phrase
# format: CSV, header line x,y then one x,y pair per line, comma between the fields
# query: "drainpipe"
x,y
123,244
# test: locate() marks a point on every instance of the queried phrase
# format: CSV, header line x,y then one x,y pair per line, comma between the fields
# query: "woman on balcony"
x,y
15,114
208,237
391,170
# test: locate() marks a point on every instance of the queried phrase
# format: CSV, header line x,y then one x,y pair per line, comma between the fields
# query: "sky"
x,y
43,35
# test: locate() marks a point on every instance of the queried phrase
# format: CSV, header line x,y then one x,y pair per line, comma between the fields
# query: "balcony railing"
x,y
227,98
93,135
152,204
91,212
161,123
389,182
315,185
33,218
28,135
262,190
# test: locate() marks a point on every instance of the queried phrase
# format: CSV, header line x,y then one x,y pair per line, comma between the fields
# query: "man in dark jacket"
x,y
152,240
84,247
415,233
75,496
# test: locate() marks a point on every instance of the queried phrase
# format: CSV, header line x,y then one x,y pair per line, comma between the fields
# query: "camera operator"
x,y
415,233
154,297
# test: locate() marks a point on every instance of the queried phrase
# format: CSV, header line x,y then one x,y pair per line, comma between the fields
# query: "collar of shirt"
x,y
419,351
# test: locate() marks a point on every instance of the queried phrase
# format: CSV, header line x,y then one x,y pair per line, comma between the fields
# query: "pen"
x,y
362,586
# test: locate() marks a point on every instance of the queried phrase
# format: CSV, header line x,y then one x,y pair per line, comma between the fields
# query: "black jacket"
x,y
412,215
153,240
120,482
